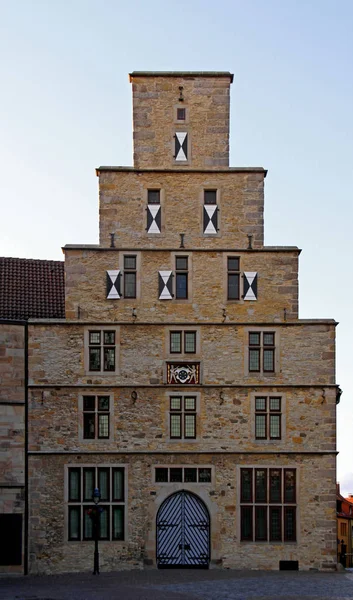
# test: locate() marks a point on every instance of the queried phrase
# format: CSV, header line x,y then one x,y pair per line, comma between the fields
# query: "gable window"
x,y
182,342
268,504
261,352
182,417
267,418
101,350
153,211
210,212
81,484
129,276
181,277
233,278
96,417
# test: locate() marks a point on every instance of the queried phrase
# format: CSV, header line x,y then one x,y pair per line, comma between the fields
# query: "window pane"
x,y
181,263
74,485
130,262
190,426
275,427
261,523
130,285
175,426
269,360
109,338
104,522
190,475
289,524
269,339
175,403
246,485
260,427
88,426
233,286
103,402
254,360
176,475
161,475
233,263
204,475
190,403
190,341
118,523
103,426
254,339
275,485
153,196
103,484
109,359
94,337
260,403
89,402
118,484
94,359
275,404
175,341
181,285
246,522
74,522
260,485
87,523
289,485
210,196
88,483
275,523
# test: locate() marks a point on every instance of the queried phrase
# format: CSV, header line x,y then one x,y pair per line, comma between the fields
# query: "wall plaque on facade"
x,y
185,373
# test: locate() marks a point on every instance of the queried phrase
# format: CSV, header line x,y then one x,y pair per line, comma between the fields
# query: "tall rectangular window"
x,y
270,513
129,276
96,417
261,352
181,277
183,342
101,350
182,417
233,278
81,484
267,418
210,212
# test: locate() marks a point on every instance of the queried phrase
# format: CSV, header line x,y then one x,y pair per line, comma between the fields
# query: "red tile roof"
x,y
31,289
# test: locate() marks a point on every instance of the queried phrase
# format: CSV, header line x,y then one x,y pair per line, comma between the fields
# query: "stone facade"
x,y
199,392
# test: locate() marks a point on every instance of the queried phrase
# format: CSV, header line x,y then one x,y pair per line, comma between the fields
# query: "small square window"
x,y
181,114
130,262
260,404
176,475
153,196
269,339
204,475
190,475
175,403
254,339
190,403
161,475
89,402
233,263
210,196
109,338
95,337
181,263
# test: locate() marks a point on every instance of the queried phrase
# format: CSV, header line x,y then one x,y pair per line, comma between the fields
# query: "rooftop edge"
x,y
181,74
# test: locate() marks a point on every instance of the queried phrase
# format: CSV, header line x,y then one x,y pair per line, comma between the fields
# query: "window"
x,y
233,278
101,350
129,276
96,417
267,418
181,277
261,352
154,224
183,474
268,504
153,196
210,212
343,529
182,417
181,146
81,483
181,114
183,342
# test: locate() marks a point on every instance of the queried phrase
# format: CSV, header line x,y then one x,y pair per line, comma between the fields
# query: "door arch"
x,y
183,532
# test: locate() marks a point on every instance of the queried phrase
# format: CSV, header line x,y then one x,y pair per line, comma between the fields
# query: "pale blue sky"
x,y
65,108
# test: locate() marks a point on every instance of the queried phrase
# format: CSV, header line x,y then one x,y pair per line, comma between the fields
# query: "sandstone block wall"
x,y
155,103
123,203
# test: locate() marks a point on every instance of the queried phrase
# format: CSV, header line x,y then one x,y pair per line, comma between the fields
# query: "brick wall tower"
x,y
182,382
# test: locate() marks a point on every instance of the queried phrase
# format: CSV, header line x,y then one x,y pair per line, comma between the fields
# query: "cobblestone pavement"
x,y
181,585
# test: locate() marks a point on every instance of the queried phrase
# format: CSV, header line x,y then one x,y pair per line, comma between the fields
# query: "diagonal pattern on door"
x,y
183,532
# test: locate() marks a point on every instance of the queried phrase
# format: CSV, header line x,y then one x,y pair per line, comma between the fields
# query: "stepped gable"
x,y
31,289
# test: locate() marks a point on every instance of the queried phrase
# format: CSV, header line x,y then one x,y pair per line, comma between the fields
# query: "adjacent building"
x,y
181,381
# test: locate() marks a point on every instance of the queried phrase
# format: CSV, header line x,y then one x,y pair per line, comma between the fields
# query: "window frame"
x,y
102,346
182,413
183,333
268,414
259,350
96,395
233,273
182,272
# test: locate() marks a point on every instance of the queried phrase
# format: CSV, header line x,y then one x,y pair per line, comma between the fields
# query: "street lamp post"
x,y
96,499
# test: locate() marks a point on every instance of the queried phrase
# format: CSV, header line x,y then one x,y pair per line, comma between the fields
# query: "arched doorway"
x,y
183,532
